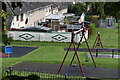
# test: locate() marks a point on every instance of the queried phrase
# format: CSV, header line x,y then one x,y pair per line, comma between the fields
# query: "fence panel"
x,y
36,75
39,36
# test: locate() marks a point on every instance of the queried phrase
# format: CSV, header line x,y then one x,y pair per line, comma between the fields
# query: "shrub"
x,y
33,77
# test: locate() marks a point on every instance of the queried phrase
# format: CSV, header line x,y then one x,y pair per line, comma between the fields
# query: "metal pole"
x,y
8,55
112,53
65,76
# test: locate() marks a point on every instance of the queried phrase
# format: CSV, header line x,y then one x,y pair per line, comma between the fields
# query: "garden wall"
x,y
42,36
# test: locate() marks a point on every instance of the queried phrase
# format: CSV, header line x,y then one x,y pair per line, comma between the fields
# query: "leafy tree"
x,y
97,8
77,8
113,9
5,39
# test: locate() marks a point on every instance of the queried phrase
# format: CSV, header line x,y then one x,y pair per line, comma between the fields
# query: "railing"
x,y
96,50
9,73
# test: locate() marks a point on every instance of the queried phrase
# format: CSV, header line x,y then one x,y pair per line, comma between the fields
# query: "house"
x,y
32,12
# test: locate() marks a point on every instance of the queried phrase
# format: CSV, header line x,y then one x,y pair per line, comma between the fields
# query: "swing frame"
x,y
98,39
75,50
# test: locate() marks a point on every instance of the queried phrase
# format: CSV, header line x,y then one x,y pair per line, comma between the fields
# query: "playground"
x,y
16,49
69,70
48,59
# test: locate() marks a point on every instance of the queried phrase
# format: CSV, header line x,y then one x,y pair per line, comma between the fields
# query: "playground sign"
x,y
8,49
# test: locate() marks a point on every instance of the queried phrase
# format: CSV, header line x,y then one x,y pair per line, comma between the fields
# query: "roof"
x,y
36,28
27,6
74,26
68,14
61,5
54,16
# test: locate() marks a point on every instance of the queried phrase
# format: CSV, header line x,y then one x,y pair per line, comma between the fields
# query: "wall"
x,y
33,16
18,23
63,11
39,36
39,15
55,10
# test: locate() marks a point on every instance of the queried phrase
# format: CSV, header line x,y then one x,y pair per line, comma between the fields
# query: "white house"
x,y
32,12
28,18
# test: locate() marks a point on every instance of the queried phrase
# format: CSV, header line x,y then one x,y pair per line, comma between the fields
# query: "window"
x,y
17,18
21,17
26,21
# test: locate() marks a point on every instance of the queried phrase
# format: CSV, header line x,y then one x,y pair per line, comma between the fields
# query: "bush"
x,y
33,77
15,77
6,40
93,26
12,77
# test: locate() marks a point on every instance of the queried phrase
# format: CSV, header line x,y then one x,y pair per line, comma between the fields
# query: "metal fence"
x,y
11,74
107,23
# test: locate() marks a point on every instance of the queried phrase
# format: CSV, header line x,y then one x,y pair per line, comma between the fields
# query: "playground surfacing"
x,y
18,51
66,69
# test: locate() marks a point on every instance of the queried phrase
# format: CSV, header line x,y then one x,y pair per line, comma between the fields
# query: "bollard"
x,y
112,53
10,69
96,52
65,76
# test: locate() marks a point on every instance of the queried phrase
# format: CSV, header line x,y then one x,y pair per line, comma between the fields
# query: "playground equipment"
x,y
98,42
75,50
97,47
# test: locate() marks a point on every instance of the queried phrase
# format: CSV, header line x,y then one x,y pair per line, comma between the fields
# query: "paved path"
x,y
18,51
3,55
70,70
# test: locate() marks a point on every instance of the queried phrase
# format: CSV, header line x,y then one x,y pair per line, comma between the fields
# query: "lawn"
x,y
48,54
53,52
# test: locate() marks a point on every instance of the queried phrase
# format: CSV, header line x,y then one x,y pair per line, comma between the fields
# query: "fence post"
x,y
65,76
96,52
10,71
112,53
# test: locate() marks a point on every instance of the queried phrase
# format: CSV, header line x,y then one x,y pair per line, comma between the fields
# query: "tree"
x,y
77,8
5,39
97,8
113,9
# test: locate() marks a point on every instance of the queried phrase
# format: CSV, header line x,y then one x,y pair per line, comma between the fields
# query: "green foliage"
x,y
113,9
33,77
93,26
98,9
77,8
6,40
15,77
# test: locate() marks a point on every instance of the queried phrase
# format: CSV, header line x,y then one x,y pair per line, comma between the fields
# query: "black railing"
x,y
14,74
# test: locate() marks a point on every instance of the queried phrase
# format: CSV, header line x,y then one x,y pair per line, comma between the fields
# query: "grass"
x,y
38,43
48,54
53,52
109,37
